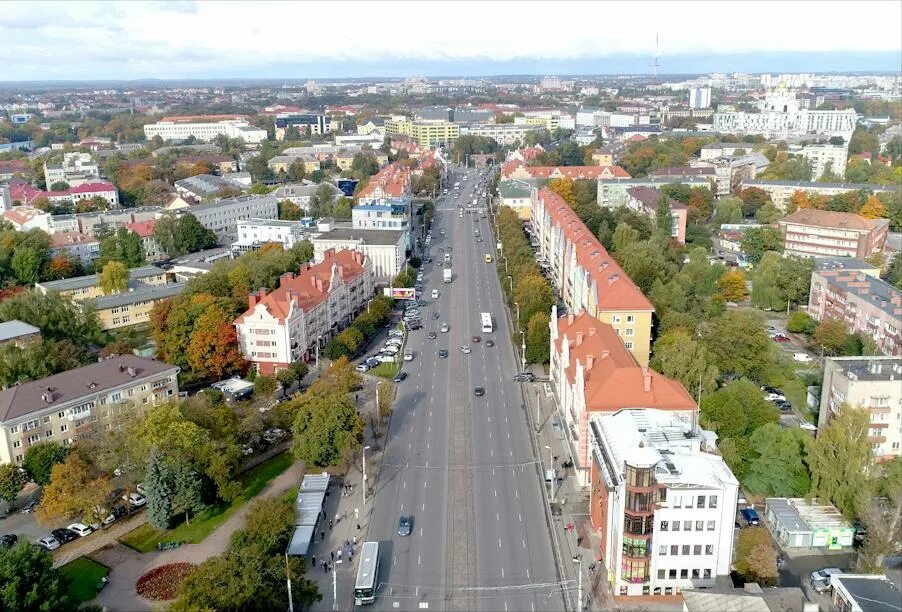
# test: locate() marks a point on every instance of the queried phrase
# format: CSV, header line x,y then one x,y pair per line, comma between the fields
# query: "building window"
x,y
709,549
662,550
684,573
628,345
707,574
630,318
712,501
661,574
695,574
687,525
629,331
17,444
685,551
699,525
700,503
664,525
697,549
674,550
672,574
64,428
676,525
711,525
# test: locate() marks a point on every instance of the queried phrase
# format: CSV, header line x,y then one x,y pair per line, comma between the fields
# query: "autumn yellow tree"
x,y
213,348
798,200
564,188
873,209
73,493
731,286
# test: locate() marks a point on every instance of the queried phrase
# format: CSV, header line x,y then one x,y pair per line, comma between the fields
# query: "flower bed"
x,y
162,583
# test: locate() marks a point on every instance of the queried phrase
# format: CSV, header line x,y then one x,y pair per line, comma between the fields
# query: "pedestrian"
x,y
330,524
358,526
357,514
322,535
337,518
579,540
313,560
355,540
333,555
339,554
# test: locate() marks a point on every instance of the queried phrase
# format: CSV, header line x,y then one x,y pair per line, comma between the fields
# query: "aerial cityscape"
x,y
333,306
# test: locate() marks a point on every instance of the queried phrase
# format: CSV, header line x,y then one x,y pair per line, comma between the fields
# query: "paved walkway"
x,y
128,565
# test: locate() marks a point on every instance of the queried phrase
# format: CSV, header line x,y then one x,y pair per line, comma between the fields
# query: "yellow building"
x,y
601,158
281,163
86,287
132,307
426,133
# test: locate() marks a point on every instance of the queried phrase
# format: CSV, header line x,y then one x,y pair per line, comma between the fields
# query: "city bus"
x,y
486,322
367,574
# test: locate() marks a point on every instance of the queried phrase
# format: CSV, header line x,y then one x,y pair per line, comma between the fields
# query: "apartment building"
x,y
306,123
86,287
516,195
205,128
781,191
75,169
427,133
612,192
222,216
76,246
144,229
79,403
809,232
825,156
663,502
873,384
515,169
301,194
282,163
384,203
645,201
384,249
586,276
27,194
504,134
866,305
254,233
781,116
18,333
132,307
296,320
724,149
592,371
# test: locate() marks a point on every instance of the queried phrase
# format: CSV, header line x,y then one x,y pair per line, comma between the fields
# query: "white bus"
x,y
367,574
486,322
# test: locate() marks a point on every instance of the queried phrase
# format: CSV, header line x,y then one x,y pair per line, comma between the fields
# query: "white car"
x,y
391,350
435,294
396,333
772,397
394,342
81,529
465,350
408,355
363,368
445,328
802,357
135,499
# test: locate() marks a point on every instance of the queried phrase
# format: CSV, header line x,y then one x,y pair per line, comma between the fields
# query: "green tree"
x,y
893,273
158,480
778,469
30,583
538,338
753,198
27,263
830,334
364,165
58,318
758,240
729,210
289,211
738,342
123,246
74,492
731,286
624,235
113,278
326,426
534,295
768,213
863,141
679,356
264,386
343,208
880,509
838,458
664,218
736,410
186,487
11,482
756,558
40,459
800,322
59,186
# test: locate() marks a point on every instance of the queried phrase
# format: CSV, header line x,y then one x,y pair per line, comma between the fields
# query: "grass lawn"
x,y
146,537
385,370
84,575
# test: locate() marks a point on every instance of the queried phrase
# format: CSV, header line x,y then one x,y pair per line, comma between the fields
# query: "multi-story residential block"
x,y
283,163
204,186
427,133
586,276
515,169
384,203
663,502
75,246
612,192
205,128
516,195
551,120
724,149
86,287
603,157
306,123
592,371
9,169
82,402
132,307
781,116
27,194
18,333
700,97
302,194
645,201
873,384
384,249
297,319
865,304
144,229
254,233
504,134
823,157
781,191
730,172
222,216
75,169
809,232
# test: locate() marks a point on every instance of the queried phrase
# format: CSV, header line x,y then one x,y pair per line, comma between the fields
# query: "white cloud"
x,y
174,38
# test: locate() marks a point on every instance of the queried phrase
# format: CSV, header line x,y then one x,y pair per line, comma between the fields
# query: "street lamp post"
x,y
551,470
517,304
511,281
365,448
579,571
522,347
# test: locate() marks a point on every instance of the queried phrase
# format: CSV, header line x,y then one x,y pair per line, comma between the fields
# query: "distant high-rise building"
x,y
551,83
700,97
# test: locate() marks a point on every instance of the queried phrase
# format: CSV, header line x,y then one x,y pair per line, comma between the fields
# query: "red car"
x,y
781,338
476,339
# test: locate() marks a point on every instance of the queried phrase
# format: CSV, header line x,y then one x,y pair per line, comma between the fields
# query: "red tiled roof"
x,y
829,218
64,239
309,287
13,166
572,172
100,186
613,379
614,290
636,138
392,181
143,228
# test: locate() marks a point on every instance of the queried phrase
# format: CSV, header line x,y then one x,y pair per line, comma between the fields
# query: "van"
x,y
802,357
435,294
750,517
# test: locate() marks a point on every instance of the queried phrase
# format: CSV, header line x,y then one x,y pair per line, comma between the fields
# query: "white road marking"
x,y
418,563
517,494
497,516
502,575
524,543
424,506
492,452
404,485
532,604
508,435
496,492
427,446
421,531
511,452
394,560
429,429
490,435
425,483
527,576
520,516
499,542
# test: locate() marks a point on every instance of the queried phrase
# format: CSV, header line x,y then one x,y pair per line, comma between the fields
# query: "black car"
x,y
64,536
400,376
490,343
443,354
783,405
478,391
9,540
405,525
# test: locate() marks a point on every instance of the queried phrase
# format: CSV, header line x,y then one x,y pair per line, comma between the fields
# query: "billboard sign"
x,y
401,293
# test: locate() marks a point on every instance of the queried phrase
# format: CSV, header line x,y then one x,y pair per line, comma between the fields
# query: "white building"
x,y
663,501
302,194
254,233
76,169
205,128
502,133
781,116
296,320
700,97
76,246
824,156
384,249
222,216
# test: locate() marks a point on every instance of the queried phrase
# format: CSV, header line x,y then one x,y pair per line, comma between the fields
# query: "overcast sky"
x,y
127,40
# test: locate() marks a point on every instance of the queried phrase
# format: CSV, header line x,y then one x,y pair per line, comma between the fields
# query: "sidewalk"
x,y
570,507
346,513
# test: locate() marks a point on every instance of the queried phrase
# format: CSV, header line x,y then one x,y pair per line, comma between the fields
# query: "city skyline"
x,y
134,41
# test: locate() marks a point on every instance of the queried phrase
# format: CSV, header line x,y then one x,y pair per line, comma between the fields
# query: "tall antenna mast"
x,y
656,63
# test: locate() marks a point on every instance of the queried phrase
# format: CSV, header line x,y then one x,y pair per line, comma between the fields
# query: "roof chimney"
x,y
570,318
605,353
579,338
590,361
613,278
646,379
132,372
592,331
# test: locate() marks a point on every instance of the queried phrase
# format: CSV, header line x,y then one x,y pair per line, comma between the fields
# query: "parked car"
x,y
524,377
116,512
64,536
247,450
48,543
750,517
273,435
802,357
9,540
81,529
136,500
362,367
372,362
141,488
772,397
821,579
783,405
780,338
29,507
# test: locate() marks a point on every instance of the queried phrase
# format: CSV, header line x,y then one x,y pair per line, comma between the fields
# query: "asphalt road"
x,y
462,466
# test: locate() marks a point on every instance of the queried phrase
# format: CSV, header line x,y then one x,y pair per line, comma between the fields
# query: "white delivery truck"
x,y
446,275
